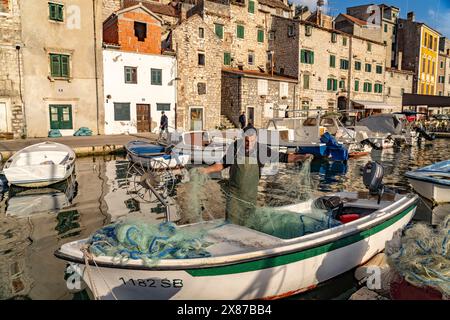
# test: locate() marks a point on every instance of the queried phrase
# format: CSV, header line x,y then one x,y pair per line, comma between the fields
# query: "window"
x,y
130,75
369,46
389,91
291,30
201,59
378,88
442,65
56,11
240,31
260,35
163,107
367,87
201,33
344,64
60,116
344,41
356,85
342,84
156,77
251,58
379,69
333,61
308,30
140,30
201,88
226,58
263,87
306,81
271,35
368,67
424,64
331,84
307,56
434,68
122,112
334,37
385,27
218,28
59,65
357,65
251,6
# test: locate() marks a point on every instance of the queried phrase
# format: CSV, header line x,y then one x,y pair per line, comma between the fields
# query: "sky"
x,y
435,13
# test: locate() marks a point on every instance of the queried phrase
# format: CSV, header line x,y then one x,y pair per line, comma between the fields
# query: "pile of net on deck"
x,y
136,239
422,257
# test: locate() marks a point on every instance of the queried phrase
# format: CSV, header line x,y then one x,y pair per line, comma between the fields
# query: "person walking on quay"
x,y
242,120
286,112
163,125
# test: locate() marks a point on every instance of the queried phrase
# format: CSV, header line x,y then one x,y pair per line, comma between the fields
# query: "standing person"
x,y
242,120
246,157
286,112
163,124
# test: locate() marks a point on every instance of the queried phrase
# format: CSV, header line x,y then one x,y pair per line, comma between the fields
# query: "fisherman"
x,y
242,120
246,158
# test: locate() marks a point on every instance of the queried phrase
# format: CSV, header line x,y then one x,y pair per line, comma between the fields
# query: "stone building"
x,y
63,58
199,56
12,121
261,96
443,86
398,82
419,44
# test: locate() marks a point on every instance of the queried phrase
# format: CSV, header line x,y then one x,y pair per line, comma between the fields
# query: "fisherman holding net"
x,y
246,158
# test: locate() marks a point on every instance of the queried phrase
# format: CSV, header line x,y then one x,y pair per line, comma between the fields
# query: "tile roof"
x,y
354,20
274,4
155,7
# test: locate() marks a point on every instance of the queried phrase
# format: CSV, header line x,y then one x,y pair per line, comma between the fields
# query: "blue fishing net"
x,y
83,131
150,242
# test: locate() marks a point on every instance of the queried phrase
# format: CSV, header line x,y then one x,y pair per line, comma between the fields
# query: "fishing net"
x,y
135,239
422,256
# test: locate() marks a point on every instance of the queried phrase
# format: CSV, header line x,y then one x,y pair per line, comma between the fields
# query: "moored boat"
x,y
40,165
250,264
432,182
146,153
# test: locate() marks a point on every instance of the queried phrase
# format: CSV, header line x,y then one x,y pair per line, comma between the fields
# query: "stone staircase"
x,y
226,123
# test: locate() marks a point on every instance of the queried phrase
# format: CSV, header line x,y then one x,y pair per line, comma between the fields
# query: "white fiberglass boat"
x,y
40,165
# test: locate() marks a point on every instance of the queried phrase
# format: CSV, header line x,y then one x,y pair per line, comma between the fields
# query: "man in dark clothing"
x,y
242,120
246,158
163,124
286,112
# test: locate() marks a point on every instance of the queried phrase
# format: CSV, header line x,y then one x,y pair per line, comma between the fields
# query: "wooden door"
x,y
143,118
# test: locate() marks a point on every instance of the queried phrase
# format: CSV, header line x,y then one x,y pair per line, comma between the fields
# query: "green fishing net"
x,y
422,256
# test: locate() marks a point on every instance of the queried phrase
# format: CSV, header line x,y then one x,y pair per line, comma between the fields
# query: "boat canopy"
x,y
373,105
385,123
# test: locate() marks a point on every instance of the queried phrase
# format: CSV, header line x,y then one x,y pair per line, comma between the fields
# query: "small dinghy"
x,y
40,165
243,263
432,182
145,153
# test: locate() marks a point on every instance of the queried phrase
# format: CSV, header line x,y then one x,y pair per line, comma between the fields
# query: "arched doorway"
x,y
342,103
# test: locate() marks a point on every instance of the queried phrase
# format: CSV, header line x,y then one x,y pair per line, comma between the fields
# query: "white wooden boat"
x,y
432,182
149,154
247,264
40,165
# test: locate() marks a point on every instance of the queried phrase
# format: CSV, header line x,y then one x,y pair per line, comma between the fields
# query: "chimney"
x,y
400,60
411,16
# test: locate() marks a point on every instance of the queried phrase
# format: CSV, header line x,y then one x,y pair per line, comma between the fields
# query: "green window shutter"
x,y
60,116
65,66
156,77
302,56
335,84
260,35
55,65
329,86
60,13
226,58
306,81
379,69
365,87
344,41
341,84
385,28
332,61
370,87
219,30
356,85
240,32
312,57
251,6
56,11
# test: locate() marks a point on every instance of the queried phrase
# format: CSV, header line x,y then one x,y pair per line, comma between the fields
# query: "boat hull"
x,y
267,278
432,191
38,176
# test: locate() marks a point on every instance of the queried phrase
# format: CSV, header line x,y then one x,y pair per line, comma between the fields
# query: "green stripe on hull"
x,y
271,262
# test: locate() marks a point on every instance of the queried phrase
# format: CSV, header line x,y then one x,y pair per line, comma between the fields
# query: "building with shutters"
x,y
139,81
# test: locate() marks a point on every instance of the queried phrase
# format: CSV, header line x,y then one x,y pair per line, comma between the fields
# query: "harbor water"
x,y
36,222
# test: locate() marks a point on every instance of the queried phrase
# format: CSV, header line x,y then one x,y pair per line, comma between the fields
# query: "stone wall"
x,y
188,45
396,82
11,67
241,91
285,47
110,6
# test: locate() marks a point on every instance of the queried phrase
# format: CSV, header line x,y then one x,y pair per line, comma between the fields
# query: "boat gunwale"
x,y
426,178
409,205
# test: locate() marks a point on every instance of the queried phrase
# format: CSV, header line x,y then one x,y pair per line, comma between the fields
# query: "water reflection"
x,y
34,223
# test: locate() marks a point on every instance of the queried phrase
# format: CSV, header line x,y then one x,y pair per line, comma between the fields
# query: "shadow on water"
x,y
33,224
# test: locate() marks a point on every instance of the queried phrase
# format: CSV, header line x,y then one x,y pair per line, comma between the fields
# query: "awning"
x,y
374,105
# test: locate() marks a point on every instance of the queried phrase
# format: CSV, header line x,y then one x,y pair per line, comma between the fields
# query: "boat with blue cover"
x,y
144,152
432,182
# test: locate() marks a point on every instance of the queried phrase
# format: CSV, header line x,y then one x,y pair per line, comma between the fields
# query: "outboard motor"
x,y
332,204
373,173
376,146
